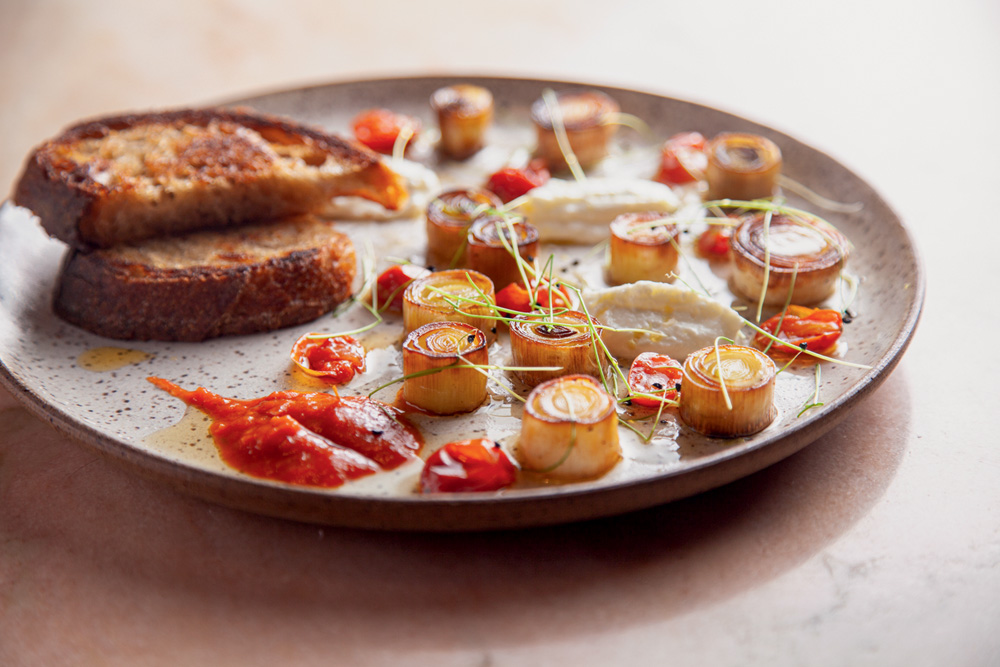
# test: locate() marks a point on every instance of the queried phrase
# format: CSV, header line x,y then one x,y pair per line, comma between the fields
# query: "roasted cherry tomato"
x,y
392,283
335,359
714,241
653,373
467,465
510,183
378,129
515,297
682,159
806,328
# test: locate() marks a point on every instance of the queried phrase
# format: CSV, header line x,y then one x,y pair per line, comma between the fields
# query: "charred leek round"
x,y
569,429
449,216
742,166
776,249
563,339
451,296
491,244
728,391
643,247
451,346
464,113
588,119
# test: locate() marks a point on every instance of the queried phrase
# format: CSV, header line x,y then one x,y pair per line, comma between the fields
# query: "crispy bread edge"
x,y
128,301
65,197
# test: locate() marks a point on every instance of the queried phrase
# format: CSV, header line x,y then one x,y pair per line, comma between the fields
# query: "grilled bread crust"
x,y
126,178
211,283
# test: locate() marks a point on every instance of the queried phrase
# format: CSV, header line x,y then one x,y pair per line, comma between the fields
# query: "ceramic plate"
x,y
95,389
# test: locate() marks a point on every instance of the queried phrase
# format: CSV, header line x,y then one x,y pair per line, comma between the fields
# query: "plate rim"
x,y
492,510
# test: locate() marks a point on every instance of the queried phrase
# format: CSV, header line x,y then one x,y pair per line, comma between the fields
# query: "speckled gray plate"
x,y
108,405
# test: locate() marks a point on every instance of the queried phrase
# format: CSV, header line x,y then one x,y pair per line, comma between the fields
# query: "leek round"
x,y
643,247
742,166
488,253
806,248
465,113
748,378
588,119
458,295
570,429
449,216
563,339
440,345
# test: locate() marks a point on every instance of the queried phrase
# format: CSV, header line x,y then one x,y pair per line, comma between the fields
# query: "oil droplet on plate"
x,y
189,438
383,337
102,359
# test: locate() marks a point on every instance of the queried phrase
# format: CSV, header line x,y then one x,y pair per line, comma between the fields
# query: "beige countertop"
x,y
879,544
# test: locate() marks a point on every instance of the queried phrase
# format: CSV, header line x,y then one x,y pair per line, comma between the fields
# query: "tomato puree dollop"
x,y
313,439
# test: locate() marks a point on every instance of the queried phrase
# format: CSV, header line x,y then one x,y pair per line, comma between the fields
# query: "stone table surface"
x,y
879,544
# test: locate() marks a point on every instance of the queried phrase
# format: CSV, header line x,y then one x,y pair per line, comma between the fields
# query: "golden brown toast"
x,y
132,177
204,284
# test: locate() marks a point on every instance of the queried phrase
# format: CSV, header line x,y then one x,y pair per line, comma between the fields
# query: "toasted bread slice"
x,y
211,283
127,178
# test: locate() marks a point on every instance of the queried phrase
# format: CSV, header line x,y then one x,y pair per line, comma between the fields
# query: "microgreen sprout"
x,y
664,403
687,263
634,122
788,363
719,372
562,140
463,245
597,341
790,346
565,456
814,402
569,448
795,215
784,311
513,204
626,424
767,262
815,198
510,245
464,364
399,146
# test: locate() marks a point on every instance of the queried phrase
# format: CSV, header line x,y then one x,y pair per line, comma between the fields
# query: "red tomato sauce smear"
x,y
312,439
335,359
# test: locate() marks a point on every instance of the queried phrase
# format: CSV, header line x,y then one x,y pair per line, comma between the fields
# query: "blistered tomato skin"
x,y
313,439
713,243
515,297
812,329
392,283
335,359
656,374
509,183
467,465
682,159
378,129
